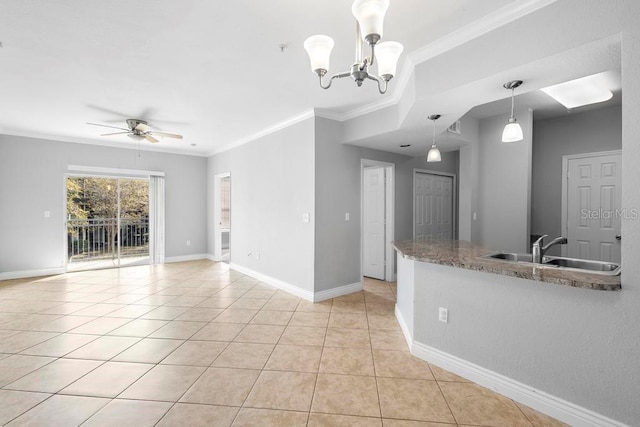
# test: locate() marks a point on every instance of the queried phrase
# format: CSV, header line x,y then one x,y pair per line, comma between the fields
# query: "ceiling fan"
x,y
139,129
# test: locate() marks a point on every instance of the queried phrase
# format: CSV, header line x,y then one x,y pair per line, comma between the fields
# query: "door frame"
x,y
390,173
564,227
217,230
454,196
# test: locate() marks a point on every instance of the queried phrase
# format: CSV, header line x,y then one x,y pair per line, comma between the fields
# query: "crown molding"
x,y
307,114
465,34
85,141
488,23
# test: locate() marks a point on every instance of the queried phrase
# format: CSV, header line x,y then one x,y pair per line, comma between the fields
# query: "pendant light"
x,y
512,131
434,154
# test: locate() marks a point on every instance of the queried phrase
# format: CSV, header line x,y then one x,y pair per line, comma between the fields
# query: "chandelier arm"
x,y
370,77
335,76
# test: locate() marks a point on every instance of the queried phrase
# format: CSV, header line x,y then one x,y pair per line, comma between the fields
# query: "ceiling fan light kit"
x,y
369,16
139,129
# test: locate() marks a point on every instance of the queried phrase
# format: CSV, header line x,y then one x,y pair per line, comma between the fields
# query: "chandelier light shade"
x,y
512,131
319,49
369,16
434,154
388,54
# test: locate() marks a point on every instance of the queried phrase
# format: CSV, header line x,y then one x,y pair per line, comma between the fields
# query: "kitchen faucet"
x,y
538,251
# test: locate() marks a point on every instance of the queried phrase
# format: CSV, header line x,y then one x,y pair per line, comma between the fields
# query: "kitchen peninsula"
x,y
505,324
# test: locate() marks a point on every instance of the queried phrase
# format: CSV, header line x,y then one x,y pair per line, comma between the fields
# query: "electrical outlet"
x,y
188,242
258,255
443,315
306,217
47,214
346,216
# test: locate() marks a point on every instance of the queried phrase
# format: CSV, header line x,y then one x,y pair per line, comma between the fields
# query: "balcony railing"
x,y
89,239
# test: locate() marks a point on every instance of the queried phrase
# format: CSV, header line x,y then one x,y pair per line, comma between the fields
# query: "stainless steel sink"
x,y
600,267
572,264
511,257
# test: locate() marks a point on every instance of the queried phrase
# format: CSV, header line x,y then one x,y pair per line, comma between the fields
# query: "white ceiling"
x,y
211,70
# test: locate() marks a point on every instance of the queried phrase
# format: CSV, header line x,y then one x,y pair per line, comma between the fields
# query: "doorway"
x,y
434,205
591,205
377,201
222,217
107,222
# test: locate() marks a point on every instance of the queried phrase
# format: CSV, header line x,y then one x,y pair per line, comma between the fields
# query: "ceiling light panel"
x,y
580,92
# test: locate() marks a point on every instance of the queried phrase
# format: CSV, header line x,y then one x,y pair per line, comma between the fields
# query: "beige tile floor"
x,y
195,343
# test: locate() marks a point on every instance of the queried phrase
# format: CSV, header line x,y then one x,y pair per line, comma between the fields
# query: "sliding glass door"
x,y
107,222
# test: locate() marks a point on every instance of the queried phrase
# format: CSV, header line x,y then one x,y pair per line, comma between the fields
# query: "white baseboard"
x,y
182,258
280,284
337,292
553,406
31,273
212,257
405,329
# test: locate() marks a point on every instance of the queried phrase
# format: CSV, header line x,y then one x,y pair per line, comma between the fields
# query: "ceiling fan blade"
x,y
114,133
150,138
107,126
166,134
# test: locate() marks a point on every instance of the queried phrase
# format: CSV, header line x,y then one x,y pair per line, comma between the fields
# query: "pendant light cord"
x,y
513,89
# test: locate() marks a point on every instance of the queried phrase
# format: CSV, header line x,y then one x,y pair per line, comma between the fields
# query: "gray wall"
x,y
338,187
272,185
577,344
588,341
504,194
32,175
576,133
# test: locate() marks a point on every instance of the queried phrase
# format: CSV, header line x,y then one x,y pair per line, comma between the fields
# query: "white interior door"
x,y
593,193
374,223
433,216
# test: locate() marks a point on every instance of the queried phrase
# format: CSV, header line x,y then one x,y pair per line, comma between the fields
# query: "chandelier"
x,y
369,16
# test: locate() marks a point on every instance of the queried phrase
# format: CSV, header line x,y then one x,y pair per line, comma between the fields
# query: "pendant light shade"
x,y
434,154
387,55
512,131
319,49
370,16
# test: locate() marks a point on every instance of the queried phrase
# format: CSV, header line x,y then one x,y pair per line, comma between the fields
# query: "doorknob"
x,y
618,237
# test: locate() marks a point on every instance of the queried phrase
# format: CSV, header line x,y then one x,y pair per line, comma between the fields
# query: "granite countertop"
x,y
463,254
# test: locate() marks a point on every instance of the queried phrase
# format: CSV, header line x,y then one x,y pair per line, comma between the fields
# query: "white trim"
x,y
31,273
553,406
307,114
217,230
213,258
390,176
182,258
403,327
337,292
113,171
280,284
118,145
